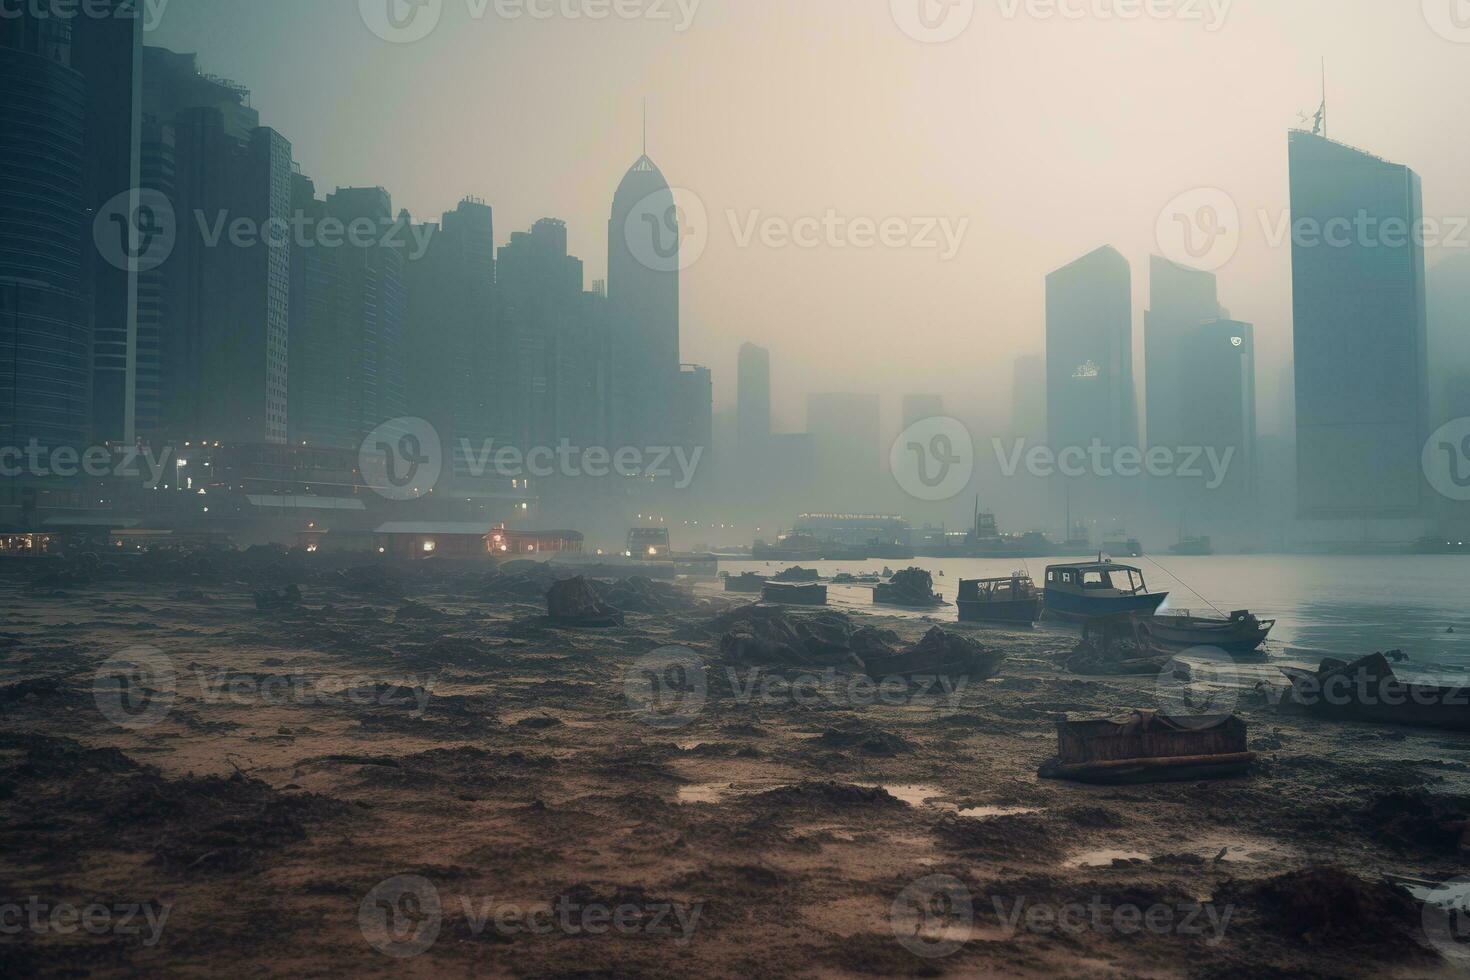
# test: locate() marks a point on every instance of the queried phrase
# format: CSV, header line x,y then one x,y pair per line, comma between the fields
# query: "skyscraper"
x,y
455,372
643,287
1180,299
107,48
45,323
1360,333
227,301
1089,370
1219,415
551,387
753,404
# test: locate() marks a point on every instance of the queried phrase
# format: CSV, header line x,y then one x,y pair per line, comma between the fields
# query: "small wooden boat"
x,y
1148,747
1000,600
1242,633
1084,591
794,595
1368,690
748,583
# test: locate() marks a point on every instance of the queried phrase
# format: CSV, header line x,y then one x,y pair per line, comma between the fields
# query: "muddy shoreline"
x,y
306,768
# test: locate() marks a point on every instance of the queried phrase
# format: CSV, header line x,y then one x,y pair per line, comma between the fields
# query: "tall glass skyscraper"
x,y
1360,333
45,324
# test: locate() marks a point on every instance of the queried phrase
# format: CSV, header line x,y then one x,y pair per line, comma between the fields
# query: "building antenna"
x,y
645,125
1321,126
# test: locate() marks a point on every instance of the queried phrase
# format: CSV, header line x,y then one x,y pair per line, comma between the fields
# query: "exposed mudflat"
x,y
436,725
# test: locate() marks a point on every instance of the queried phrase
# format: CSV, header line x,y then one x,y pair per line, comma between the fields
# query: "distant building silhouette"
x,y
1360,334
753,404
224,342
1028,397
917,408
45,321
1089,375
643,286
695,415
1219,414
1180,299
455,368
107,50
845,432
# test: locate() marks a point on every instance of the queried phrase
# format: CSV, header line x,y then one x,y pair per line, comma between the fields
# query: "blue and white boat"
x,y
1099,588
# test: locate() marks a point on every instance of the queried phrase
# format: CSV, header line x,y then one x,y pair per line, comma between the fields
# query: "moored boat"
x,y
1369,690
1242,633
1084,591
1014,599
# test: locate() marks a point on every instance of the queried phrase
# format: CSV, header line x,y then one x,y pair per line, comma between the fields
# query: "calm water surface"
x,y
1322,605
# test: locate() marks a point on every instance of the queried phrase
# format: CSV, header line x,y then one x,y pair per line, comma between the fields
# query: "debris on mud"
x,y
939,654
910,587
575,602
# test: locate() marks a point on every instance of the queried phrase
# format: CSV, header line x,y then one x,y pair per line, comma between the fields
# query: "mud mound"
x,y
827,796
939,654
96,798
575,602
871,741
643,595
1419,821
999,837
1330,906
764,636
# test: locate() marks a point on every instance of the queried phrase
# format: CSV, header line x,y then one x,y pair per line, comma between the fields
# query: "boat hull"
x,y
1017,611
1080,608
1168,633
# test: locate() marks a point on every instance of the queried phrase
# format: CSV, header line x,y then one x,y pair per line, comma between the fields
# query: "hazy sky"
x,y
1049,134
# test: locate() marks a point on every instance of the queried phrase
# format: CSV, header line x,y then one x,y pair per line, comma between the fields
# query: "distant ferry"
x,y
1083,591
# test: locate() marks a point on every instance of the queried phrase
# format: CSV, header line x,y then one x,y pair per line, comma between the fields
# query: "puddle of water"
x,y
1103,858
689,746
704,792
984,812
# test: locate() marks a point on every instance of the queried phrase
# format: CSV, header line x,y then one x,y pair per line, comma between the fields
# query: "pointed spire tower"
x,y
643,289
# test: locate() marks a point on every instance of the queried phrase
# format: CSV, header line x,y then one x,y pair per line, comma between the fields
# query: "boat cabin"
x,y
1096,579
